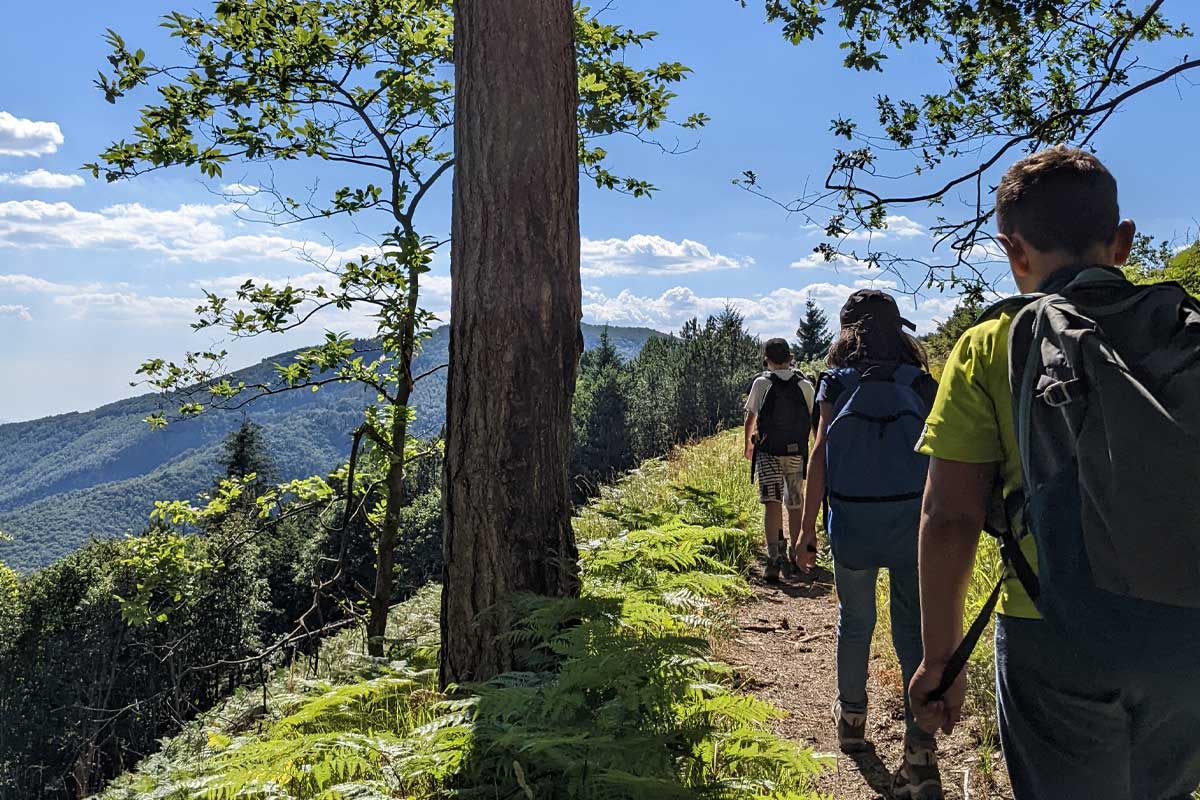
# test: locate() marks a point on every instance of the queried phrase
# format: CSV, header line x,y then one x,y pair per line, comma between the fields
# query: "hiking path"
x,y
784,652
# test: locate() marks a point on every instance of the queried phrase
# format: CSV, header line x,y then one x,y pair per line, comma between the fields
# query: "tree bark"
x,y
514,324
389,534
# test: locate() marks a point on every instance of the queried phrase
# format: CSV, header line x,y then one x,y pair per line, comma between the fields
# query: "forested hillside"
x,y
69,478
626,701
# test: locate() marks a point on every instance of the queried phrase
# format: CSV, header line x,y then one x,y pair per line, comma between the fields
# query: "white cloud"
x,y
652,255
25,137
127,306
16,312
772,314
840,263
435,297
899,225
240,190
41,179
984,251
31,285
894,225
190,232
187,233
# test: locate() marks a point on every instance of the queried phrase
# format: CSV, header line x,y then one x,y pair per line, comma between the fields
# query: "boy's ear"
x,y
1018,255
1123,242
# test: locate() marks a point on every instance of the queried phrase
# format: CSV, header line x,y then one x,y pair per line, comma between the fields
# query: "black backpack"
x,y
785,419
1105,377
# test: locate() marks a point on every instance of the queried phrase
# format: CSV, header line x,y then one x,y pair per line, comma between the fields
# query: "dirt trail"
x,y
785,654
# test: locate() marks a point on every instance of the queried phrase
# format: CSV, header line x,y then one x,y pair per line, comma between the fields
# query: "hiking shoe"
x,y
851,729
771,573
918,777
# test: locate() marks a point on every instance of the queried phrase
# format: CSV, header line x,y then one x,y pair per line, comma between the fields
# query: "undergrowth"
x,y
617,695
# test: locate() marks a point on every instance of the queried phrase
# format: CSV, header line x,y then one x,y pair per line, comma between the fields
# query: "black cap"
x,y
879,306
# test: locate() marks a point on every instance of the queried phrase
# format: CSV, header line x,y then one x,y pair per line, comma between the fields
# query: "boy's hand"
x,y
806,551
808,535
944,713
749,451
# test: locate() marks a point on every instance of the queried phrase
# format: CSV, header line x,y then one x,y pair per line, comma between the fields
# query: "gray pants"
x,y
856,627
1073,729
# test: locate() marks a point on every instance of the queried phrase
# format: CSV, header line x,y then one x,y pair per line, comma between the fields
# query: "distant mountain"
x,y
68,478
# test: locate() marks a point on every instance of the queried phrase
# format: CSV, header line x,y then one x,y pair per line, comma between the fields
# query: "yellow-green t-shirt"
x,y
972,422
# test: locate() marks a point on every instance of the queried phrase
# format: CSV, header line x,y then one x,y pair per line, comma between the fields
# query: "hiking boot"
x,y
918,777
851,729
771,573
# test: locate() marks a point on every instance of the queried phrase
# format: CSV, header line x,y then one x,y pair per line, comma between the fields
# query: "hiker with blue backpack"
x,y
1067,424
866,474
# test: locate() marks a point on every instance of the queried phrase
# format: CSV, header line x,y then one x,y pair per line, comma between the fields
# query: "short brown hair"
x,y
1060,198
777,351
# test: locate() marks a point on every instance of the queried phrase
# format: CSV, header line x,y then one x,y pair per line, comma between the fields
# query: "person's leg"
x,y
1064,726
856,626
771,493
1166,736
906,637
793,478
773,525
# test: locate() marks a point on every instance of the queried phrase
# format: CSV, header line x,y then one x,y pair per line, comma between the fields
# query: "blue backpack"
x,y
874,477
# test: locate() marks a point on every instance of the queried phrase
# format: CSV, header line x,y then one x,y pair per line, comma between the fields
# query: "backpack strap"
x,y
880,373
998,525
768,402
1008,305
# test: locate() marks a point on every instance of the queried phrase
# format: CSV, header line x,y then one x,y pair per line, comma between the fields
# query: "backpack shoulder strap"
x,y
909,374
1009,305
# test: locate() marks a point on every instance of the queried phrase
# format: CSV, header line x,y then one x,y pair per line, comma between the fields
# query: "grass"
x,y
618,693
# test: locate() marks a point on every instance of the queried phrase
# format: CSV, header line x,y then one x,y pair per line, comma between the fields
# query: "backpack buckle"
x,y
1063,393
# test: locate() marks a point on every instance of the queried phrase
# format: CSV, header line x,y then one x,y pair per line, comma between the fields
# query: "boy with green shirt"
x,y
1070,727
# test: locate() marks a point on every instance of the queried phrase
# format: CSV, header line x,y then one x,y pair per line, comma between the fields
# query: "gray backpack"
x,y
1105,378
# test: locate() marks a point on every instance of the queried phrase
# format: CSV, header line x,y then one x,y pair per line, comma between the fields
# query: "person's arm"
x,y
814,490
956,500
751,423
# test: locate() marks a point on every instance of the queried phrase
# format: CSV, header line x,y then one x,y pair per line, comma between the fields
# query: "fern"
x,y
617,695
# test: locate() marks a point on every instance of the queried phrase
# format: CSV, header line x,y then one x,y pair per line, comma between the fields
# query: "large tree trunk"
x,y
514,323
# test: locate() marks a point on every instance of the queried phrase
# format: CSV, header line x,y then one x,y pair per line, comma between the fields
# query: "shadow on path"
x,y
873,770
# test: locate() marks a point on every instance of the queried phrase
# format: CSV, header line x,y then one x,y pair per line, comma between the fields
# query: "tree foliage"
x,y
675,390
813,336
365,86
122,642
617,694
601,441
1022,74
1156,262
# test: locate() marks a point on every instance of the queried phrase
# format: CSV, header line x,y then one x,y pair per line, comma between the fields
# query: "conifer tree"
x,y
602,446
244,452
814,335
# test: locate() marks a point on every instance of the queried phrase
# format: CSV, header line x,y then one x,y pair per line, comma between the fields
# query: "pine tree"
x,y
244,452
602,443
652,391
814,334
507,505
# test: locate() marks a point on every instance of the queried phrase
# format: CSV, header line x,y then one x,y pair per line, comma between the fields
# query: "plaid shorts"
x,y
780,479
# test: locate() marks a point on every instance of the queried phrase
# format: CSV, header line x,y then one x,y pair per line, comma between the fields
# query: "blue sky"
x,y
96,277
